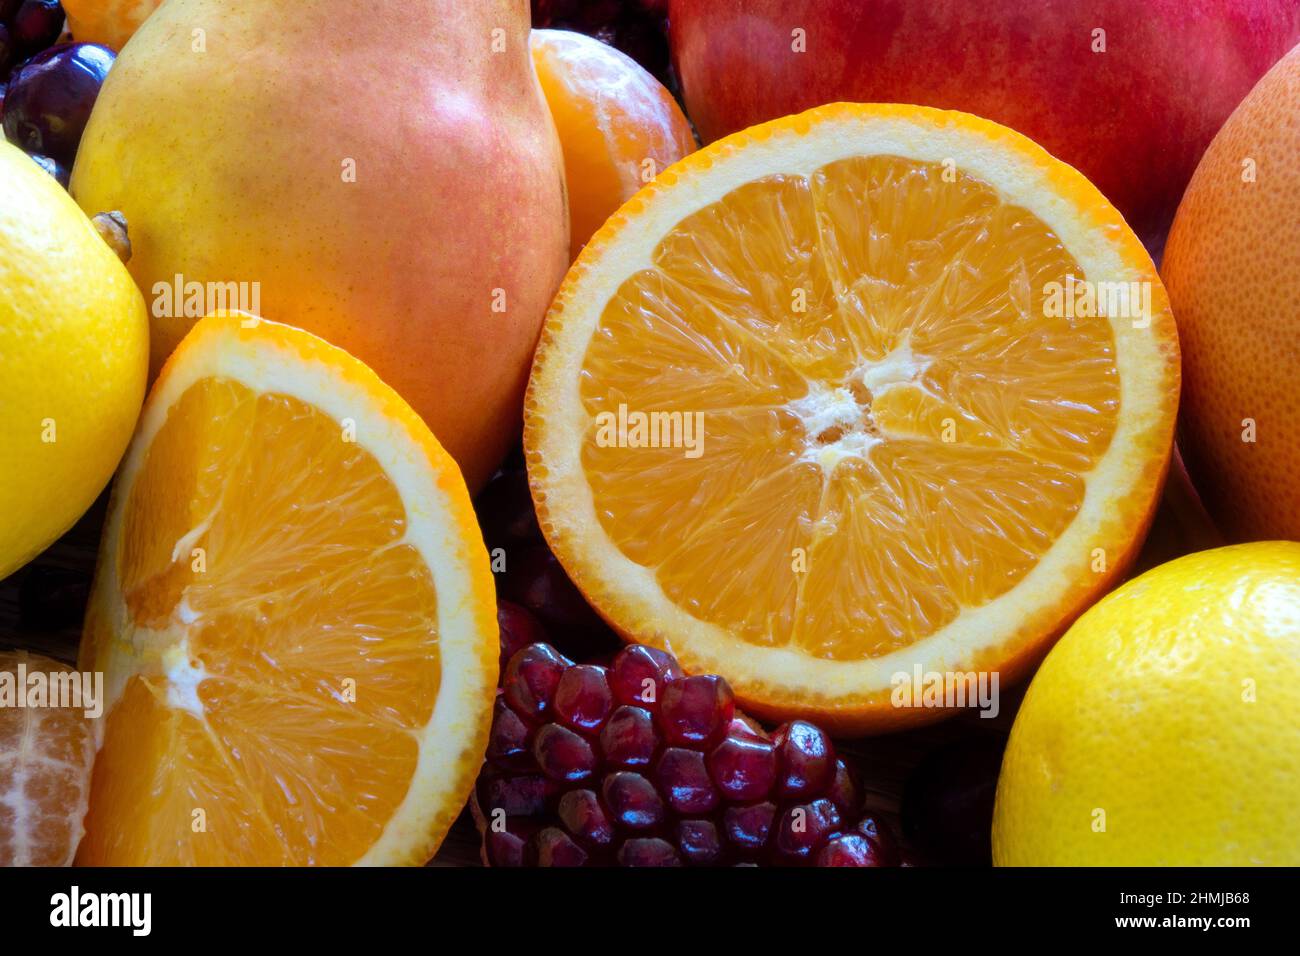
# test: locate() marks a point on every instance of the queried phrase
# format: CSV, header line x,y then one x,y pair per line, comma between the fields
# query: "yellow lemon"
x,y
74,352
1164,728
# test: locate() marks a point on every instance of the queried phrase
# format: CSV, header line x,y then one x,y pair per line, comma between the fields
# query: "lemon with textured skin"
x,y
1164,728
74,352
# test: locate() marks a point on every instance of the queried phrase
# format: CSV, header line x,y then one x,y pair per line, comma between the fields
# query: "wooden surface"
x,y
41,606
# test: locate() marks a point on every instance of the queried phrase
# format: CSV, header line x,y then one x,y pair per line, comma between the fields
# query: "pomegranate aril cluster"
x,y
637,764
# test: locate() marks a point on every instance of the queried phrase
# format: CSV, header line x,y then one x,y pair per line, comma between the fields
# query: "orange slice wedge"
x,y
294,614
827,402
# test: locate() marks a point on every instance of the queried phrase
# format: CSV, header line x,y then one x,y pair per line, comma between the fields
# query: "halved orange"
x,y
294,614
921,446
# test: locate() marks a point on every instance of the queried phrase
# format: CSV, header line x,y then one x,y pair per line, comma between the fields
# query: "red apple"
x,y
1133,108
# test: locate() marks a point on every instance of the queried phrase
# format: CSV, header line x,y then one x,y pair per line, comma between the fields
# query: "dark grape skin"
x,y
36,24
50,99
6,54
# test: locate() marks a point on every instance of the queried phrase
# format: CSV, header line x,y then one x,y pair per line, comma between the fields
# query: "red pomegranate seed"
x,y
850,849
805,760
700,842
748,827
583,698
508,742
639,675
642,765
531,678
744,768
695,711
583,816
684,779
505,847
648,851
518,628
886,845
844,791
804,827
553,847
629,739
522,796
562,754
633,801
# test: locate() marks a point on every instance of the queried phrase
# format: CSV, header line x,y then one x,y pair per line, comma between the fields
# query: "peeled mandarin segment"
x,y
901,425
45,760
280,654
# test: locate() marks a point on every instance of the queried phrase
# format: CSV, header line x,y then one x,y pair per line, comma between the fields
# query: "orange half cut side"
x,y
921,446
294,614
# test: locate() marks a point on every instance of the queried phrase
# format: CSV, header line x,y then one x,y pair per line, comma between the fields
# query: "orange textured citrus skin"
x,y
1027,643
1232,268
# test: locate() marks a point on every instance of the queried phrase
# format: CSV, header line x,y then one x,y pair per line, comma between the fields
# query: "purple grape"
x,y
51,96
7,49
36,24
